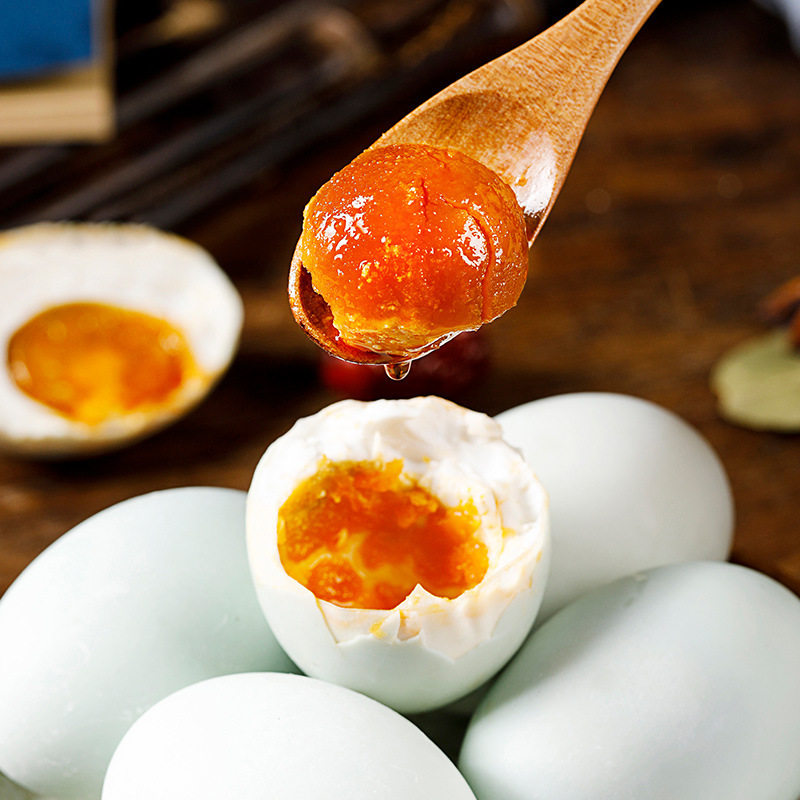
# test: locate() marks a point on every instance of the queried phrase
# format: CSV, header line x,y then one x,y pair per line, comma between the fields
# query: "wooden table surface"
x,y
681,211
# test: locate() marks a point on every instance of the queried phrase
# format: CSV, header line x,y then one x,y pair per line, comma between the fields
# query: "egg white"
x,y
133,267
428,650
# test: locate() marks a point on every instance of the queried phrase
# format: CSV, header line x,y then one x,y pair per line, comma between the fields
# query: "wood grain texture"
x,y
679,214
523,114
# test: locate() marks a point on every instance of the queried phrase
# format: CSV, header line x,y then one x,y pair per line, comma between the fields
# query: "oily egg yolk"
x,y
362,535
91,362
409,244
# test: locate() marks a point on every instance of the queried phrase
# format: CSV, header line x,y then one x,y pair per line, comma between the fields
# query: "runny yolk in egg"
x,y
91,362
362,535
410,244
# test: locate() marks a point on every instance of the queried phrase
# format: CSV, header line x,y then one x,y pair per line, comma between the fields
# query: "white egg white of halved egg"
x,y
631,486
428,650
258,736
139,600
677,683
132,267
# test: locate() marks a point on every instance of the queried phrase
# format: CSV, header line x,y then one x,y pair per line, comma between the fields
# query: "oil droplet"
x,y
398,371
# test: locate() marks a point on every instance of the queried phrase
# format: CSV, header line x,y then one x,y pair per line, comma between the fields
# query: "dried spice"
x,y
757,383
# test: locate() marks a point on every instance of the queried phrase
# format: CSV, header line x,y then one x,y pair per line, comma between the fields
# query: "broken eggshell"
x,y
428,650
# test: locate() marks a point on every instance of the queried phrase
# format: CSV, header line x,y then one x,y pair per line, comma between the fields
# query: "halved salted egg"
x,y
399,548
110,332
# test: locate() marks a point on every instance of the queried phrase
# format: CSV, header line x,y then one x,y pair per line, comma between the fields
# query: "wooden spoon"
x,y
522,115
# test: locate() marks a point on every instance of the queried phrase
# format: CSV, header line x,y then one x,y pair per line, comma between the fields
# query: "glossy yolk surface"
x,y
411,243
361,535
90,362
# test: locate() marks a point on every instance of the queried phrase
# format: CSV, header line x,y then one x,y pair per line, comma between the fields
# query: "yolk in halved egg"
x,y
91,361
363,535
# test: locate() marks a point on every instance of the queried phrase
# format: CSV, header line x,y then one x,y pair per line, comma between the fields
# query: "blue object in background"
x,y
37,36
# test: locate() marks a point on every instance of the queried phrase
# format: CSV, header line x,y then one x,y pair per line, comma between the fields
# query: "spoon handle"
x,y
563,70
523,114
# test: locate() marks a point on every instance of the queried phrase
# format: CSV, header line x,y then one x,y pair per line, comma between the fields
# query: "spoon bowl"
x,y
521,115
315,317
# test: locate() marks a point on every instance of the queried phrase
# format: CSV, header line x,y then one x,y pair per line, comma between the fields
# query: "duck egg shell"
x,y
141,599
256,736
631,486
674,684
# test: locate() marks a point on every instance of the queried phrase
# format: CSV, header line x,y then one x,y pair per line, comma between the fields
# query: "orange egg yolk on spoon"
x,y
90,361
410,244
362,535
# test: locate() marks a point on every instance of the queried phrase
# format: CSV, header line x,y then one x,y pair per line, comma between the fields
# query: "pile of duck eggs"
x,y
545,593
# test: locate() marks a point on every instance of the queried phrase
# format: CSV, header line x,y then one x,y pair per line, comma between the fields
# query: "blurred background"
x,y
219,119
190,101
